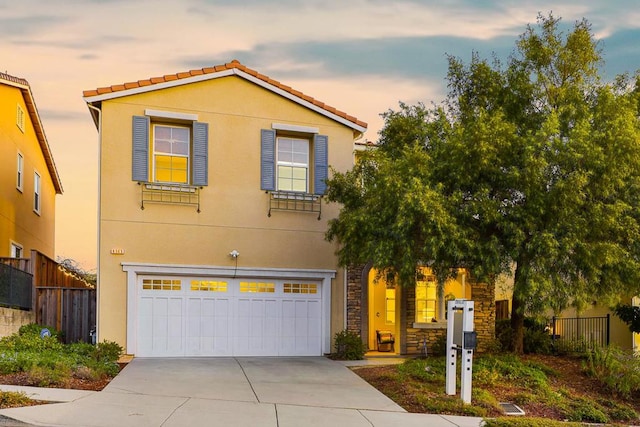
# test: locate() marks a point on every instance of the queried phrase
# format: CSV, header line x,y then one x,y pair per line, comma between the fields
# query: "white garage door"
x,y
191,316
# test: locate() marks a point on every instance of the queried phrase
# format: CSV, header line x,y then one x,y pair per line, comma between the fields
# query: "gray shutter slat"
x,y
320,163
268,160
140,144
200,153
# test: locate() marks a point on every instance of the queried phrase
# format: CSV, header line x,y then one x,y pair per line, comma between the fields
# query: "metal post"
x,y
467,353
452,352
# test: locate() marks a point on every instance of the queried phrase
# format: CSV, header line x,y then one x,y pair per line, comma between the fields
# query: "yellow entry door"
x,y
382,310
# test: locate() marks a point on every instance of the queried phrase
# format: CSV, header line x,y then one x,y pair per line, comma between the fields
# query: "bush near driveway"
x,y
48,362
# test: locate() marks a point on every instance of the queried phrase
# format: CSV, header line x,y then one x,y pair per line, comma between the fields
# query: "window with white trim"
x,y
293,161
293,164
426,300
170,152
171,149
16,250
37,200
20,172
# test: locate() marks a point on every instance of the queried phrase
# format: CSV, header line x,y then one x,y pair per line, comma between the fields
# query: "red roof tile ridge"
x,y
234,64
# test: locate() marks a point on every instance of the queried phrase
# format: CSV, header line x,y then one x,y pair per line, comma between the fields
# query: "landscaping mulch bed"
x,y
568,375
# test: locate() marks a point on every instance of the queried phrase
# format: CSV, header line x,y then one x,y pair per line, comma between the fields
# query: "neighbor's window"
x,y
20,172
171,154
293,164
20,118
426,300
36,193
16,250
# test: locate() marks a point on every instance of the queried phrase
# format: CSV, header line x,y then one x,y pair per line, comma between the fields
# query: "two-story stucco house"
x,y
211,218
29,180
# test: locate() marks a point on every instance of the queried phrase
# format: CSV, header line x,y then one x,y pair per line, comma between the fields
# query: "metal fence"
x,y
16,287
581,333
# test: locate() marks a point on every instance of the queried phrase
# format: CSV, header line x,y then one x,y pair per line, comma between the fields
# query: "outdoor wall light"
x,y
234,254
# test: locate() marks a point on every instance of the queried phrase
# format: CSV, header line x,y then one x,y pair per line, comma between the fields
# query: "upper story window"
x,y
293,164
20,118
36,193
171,149
293,159
169,153
20,172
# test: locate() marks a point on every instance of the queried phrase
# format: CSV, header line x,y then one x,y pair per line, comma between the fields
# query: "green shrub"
x,y
617,370
536,338
35,330
349,346
439,347
11,399
586,411
45,375
108,351
504,334
617,411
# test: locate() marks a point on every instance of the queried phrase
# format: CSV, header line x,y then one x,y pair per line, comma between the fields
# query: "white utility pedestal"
x,y
460,337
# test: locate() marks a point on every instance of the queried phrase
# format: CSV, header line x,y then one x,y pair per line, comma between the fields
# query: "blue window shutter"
x,y
200,153
140,159
320,163
268,160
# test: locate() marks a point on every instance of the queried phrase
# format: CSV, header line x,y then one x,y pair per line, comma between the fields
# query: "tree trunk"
x,y
518,309
517,324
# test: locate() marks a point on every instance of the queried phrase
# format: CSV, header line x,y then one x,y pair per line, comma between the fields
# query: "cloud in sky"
x,y
361,56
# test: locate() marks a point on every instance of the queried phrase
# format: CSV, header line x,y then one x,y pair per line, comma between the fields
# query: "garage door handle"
x,y
378,314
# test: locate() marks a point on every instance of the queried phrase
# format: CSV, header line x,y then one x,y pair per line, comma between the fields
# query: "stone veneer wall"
x,y
354,300
484,321
11,320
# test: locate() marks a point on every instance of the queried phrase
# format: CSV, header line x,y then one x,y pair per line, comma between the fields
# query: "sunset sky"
x,y
360,56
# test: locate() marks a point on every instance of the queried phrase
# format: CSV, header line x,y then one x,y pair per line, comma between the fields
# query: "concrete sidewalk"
x,y
278,392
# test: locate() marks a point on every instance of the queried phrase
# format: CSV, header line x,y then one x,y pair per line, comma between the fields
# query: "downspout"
x,y
99,115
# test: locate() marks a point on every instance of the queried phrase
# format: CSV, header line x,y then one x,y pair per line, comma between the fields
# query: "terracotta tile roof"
x,y
30,103
235,64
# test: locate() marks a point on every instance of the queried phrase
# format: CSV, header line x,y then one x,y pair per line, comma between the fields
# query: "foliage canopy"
x,y
532,167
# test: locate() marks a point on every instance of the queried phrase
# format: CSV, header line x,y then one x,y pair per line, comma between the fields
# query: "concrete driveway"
x,y
252,391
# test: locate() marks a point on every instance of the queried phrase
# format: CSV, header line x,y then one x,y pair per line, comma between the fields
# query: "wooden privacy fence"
x,y
61,298
70,310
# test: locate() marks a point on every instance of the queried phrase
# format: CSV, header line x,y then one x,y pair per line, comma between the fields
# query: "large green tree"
x,y
531,167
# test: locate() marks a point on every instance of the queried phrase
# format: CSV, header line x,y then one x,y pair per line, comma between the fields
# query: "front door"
x,y
382,309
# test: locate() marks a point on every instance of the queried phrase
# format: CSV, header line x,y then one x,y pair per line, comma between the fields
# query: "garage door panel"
x,y
212,317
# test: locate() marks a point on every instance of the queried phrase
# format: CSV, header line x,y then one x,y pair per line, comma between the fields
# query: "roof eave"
x,y
358,129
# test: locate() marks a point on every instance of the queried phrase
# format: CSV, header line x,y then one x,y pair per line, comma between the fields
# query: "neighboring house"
x,y
211,217
588,326
29,180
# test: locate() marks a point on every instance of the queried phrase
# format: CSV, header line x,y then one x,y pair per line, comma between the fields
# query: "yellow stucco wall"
x,y
233,208
18,221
